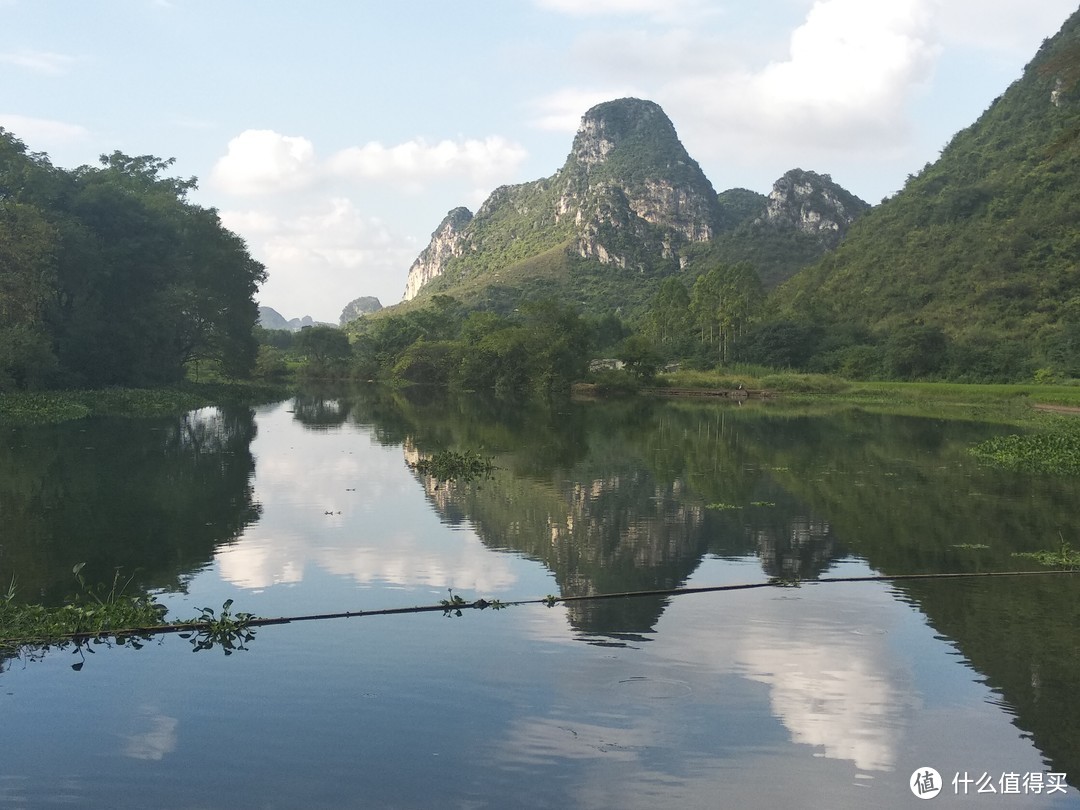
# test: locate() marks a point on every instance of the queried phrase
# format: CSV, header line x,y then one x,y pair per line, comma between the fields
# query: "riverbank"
x,y
1019,404
49,407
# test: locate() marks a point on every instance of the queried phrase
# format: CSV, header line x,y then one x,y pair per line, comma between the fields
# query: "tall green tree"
x,y
669,322
723,303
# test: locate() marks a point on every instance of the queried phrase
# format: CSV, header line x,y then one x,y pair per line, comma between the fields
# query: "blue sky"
x,y
335,135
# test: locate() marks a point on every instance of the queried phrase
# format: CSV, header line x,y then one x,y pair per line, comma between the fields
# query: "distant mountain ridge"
x,y
270,318
629,198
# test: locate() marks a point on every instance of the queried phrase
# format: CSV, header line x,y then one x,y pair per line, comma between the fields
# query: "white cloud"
x,y
320,253
322,256
561,111
852,64
259,161
263,161
44,62
1005,25
41,131
418,161
850,71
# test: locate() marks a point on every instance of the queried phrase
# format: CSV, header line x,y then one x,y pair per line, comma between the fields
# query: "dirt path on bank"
x,y
1057,408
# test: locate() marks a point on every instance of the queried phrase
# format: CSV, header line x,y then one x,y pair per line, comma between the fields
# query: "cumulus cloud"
x,y
44,62
261,160
319,255
418,161
852,63
41,131
849,71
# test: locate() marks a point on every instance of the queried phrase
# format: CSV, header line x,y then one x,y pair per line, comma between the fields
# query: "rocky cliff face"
x,y
813,204
628,175
358,307
446,243
628,195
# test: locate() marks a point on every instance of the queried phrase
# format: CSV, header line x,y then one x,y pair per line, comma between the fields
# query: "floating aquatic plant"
x,y
450,465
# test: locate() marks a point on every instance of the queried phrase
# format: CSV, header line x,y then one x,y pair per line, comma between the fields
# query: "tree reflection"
x,y
153,497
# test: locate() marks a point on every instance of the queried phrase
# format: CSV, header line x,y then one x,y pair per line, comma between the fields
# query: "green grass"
x,y
109,613
1009,404
45,407
94,611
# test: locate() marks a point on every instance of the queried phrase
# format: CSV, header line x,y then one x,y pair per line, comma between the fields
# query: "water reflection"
x,y
759,696
667,699
351,513
156,740
154,497
831,684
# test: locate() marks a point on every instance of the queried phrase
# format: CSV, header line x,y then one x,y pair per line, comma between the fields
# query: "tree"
x,y
428,362
323,345
780,344
723,303
915,351
113,277
27,281
640,356
669,322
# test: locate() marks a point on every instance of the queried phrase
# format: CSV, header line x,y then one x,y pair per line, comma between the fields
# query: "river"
x,y
799,695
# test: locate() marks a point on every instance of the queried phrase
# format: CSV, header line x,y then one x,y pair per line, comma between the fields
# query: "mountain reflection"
x,y
613,518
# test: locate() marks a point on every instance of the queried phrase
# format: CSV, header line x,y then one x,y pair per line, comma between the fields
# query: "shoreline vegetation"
x,y
1013,402
49,407
1046,416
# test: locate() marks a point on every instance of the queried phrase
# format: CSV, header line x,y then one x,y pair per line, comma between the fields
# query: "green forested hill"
x,y
628,209
975,264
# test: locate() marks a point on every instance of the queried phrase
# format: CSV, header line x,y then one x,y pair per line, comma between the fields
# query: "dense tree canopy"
x,y
109,275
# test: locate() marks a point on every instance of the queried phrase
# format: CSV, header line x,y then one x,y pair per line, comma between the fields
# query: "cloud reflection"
x,y
829,689
833,676
355,511
157,741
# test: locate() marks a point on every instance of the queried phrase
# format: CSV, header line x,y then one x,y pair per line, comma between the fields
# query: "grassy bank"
x,y
1047,442
814,386
44,407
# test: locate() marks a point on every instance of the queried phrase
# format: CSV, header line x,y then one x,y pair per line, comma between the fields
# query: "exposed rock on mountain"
x,y
357,308
627,208
628,195
628,175
446,243
805,216
813,204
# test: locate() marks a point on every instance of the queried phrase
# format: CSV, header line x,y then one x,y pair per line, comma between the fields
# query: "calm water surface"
x,y
827,695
